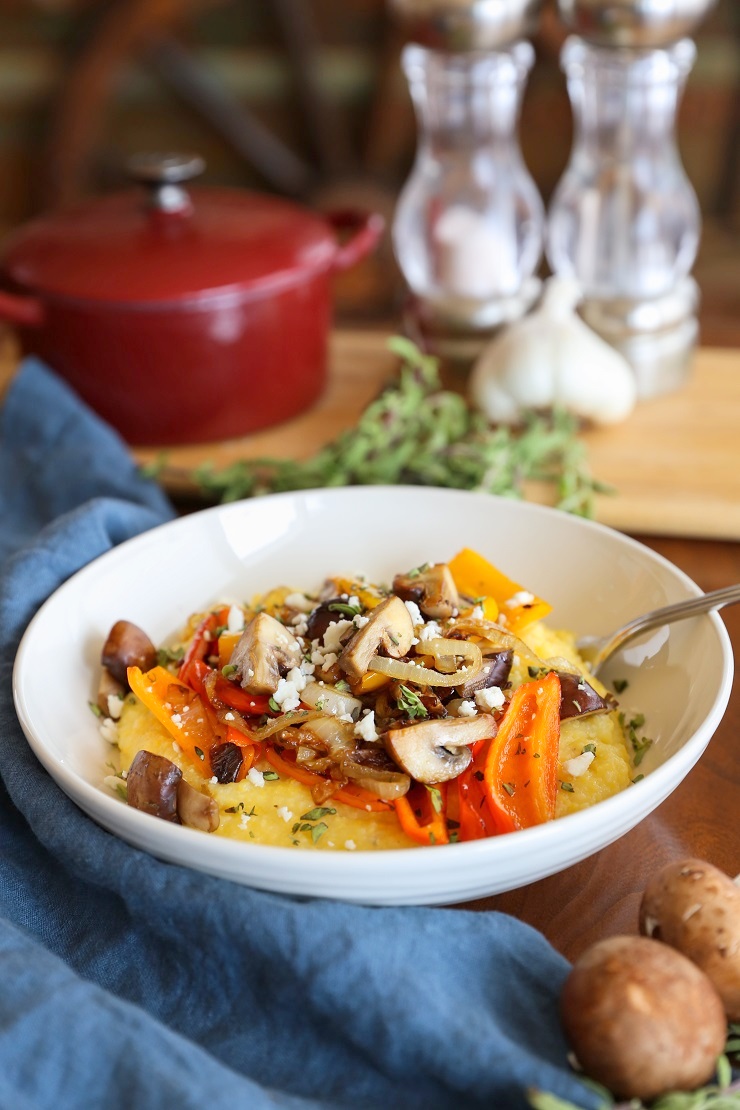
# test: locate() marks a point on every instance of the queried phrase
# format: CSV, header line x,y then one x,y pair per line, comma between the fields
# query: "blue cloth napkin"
x,y
127,982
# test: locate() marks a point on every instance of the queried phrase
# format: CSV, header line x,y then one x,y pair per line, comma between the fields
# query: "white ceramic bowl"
x,y
594,577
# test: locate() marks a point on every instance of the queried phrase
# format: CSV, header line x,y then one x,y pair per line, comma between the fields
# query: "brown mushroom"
x,y
695,908
437,750
578,698
372,768
328,612
389,630
641,1018
127,646
433,589
151,785
226,761
265,650
196,809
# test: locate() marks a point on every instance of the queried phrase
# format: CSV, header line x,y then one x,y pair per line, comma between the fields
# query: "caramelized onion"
x,y
438,648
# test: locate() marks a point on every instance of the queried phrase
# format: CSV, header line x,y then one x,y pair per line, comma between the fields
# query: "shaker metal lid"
x,y
464,25
181,245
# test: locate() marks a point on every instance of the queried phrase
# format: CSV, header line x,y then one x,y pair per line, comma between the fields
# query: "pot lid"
x,y
177,245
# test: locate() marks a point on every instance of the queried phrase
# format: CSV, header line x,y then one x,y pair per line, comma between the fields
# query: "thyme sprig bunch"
x,y
417,433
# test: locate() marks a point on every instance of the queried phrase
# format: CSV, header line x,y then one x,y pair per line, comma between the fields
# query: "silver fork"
x,y
597,649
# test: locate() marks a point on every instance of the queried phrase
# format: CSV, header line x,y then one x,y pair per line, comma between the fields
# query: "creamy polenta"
x,y
362,717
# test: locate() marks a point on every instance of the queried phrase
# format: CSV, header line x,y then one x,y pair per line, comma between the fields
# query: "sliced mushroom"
x,y
196,810
226,761
329,612
108,687
151,785
577,697
265,650
433,590
436,751
389,630
494,672
127,646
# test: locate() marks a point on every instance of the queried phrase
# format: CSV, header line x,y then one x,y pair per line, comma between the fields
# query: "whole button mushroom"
x,y
642,1019
695,908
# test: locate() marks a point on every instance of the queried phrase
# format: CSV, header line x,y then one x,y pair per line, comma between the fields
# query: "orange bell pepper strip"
x,y
468,791
476,578
180,710
520,773
353,796
421,814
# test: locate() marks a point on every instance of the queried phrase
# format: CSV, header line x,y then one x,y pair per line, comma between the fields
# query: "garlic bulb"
x,y
552,359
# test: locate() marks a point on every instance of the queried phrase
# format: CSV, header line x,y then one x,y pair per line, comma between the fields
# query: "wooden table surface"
x,y
600,896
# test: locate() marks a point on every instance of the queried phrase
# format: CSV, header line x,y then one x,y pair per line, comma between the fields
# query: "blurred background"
x,y
306,99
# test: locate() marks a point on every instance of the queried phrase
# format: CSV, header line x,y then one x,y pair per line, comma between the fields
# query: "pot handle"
x,y
366,229
26,312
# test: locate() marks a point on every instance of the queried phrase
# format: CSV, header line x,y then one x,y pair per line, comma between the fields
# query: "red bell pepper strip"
x,y
351,795
421,814
520,773
253,705
203,644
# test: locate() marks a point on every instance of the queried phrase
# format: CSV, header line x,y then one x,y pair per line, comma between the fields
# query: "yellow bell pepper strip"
x,y
520,773
422,814
185,715
476,578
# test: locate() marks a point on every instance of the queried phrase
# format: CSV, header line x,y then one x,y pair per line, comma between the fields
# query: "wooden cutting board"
x,y
675,463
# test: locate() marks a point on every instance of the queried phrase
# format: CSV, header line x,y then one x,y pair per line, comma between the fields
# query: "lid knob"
x,y
163,176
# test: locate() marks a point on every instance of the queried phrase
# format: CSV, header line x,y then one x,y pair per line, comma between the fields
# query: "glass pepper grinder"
x,y
624,220
468,230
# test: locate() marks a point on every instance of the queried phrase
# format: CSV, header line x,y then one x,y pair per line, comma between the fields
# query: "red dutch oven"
x,y
186,316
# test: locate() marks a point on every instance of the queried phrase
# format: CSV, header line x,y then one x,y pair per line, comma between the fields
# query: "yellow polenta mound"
x,y
267,810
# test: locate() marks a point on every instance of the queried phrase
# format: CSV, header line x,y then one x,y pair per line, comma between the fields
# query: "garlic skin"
x,y
552,359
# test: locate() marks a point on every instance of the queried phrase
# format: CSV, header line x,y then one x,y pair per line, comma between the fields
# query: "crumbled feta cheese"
x,y
109,730
366,729
360,620
477,613
579,764
491,698
354,602
467,709
429,631
229,716
329,659
214,780
285,813
523,597
345,717
335,633
244,820
350,845
297,677
300,601
176,720
235,619
307,668
414,613
287,696
115,706
255,777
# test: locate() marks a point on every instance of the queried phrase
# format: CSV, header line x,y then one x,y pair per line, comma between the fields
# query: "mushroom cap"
x,y
389,629
265,650
437,750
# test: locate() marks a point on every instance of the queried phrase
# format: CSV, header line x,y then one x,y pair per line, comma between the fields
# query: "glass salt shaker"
x,y
624,220
468,230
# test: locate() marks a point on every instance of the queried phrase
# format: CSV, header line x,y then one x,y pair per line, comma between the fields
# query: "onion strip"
x,y
425,676
298,717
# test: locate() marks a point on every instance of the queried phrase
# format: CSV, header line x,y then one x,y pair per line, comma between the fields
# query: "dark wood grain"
x,y
600,897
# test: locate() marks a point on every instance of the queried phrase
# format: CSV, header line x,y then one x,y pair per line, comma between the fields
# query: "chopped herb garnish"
x,y
95,708
509,787
318,831
567,786
620,685
317,813
167,655
342,607
235,809
270,776
229,670
199,753
418,570
589,748
478,775
410,703
637,778
537,672
394,639
454,836
435,796
343,686
274,705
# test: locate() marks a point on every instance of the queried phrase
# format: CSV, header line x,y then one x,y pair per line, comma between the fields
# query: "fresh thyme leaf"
x,y
274,705
416,433
342,686
167,655
269,776
348,610
410,703
568,786
318,830
317,813
229,670
95,709
435,796
620,685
